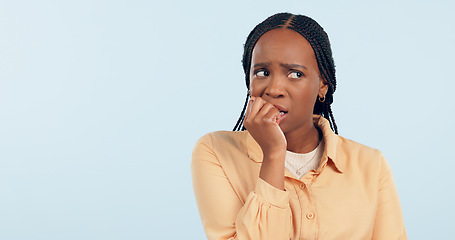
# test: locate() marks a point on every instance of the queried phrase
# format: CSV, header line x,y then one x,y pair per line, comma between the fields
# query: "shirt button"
x,y
302,186
310,216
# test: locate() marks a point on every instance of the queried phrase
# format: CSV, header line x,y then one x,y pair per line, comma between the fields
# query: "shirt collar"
x,y
330,139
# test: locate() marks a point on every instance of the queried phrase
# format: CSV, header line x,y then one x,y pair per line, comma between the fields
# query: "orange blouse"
x,y
351,195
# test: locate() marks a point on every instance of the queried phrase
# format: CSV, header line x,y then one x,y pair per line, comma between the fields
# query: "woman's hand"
x,y
262,121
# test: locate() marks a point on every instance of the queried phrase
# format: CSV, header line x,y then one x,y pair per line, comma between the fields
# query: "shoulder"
x,y
225,138
344,151
346,145
357,155
234,152
224,143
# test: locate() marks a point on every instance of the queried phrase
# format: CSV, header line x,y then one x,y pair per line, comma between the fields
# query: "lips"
x,y
283,112
282,109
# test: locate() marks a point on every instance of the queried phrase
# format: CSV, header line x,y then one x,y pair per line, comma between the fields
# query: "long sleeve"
x,y
264,214
389,223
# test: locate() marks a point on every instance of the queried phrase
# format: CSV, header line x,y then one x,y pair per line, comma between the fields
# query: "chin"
x,y
284,128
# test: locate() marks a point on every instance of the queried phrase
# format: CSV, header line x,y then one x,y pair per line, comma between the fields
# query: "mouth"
x,y
282,109
283,113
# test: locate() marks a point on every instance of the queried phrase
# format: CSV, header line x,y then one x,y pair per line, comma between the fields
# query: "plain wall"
x,y
101,103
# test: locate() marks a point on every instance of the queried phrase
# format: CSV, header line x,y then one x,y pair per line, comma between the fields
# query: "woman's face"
x,y
285,73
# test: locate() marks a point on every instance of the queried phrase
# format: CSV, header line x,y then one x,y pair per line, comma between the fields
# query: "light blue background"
x,y
101,103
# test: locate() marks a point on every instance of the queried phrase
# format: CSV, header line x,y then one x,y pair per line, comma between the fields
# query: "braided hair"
x,y
320,43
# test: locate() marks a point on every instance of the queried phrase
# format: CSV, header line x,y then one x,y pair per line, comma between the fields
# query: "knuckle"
x,y
265,120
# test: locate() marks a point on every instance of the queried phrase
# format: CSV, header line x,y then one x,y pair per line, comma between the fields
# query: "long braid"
x,y
332,120
320,43
239,125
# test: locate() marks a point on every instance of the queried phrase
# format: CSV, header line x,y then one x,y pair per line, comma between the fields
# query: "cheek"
x,y
305,96
313,88
256,88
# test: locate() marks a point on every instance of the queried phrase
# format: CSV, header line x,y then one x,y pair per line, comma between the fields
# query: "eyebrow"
x,y
292,65
286,65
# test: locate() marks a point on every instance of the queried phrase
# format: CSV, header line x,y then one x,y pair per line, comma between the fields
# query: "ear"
x,y
323,87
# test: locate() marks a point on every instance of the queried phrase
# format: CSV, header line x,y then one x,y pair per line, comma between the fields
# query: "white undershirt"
x,y
300,163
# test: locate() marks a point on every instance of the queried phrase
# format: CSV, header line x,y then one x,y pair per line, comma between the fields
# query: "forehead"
x,y
285,46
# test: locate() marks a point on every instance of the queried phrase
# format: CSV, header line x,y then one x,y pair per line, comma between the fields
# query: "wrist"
x,y
272,171
274,155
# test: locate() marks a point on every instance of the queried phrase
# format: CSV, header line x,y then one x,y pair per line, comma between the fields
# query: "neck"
x,y
304,140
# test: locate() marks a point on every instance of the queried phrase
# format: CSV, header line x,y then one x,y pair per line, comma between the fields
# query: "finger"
x,y
272,115
256,106
265,109
248,109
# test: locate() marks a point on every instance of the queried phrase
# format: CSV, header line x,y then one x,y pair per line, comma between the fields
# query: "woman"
x,y
290,176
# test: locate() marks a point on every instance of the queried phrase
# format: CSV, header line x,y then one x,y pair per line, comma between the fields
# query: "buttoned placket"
x,y
308,214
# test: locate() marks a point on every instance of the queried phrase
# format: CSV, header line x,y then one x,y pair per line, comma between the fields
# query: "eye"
x,y
262,73
295,75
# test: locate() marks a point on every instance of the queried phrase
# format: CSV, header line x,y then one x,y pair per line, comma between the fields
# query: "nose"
x,y
275,88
